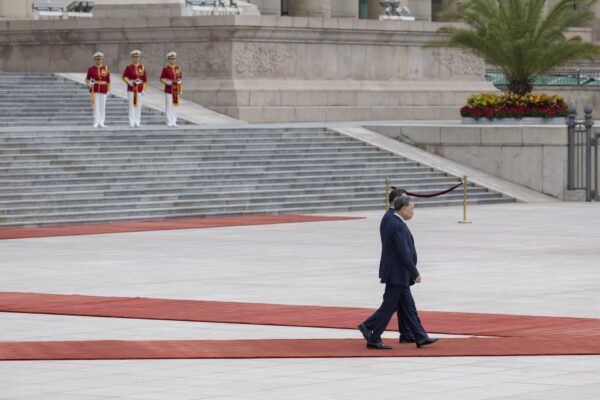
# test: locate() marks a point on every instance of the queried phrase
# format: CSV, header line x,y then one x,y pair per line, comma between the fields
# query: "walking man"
x,y
98,81
136,79
172,79
398,272
406,336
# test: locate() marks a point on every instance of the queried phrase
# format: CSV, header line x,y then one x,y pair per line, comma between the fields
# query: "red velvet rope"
x,y
427,196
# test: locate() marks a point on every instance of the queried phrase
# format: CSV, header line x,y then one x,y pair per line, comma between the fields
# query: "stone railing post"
x,y
572,114
589,124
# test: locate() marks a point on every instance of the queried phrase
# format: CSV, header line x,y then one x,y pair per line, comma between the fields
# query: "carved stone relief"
x,y
459,63
252,59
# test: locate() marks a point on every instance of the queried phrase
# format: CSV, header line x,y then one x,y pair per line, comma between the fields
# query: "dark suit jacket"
x,y
386,217
398,265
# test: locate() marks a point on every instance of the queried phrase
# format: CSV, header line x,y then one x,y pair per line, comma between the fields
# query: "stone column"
x,y
15,9
310,8
375,9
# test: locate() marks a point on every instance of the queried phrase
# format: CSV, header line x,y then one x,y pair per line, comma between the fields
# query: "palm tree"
x,y
519,37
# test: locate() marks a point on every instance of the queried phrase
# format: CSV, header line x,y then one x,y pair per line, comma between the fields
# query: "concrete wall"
x,y
19,9
344,8
269,69
268,7
531,156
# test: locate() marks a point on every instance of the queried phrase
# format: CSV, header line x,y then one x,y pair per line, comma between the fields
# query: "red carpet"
x,y
518,335
290,315
143,226
286,348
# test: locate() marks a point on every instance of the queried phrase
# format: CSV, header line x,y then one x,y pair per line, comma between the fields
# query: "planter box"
x,y
515,121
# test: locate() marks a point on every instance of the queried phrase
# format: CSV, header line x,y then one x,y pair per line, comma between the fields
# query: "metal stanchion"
x,y
387,193
465,184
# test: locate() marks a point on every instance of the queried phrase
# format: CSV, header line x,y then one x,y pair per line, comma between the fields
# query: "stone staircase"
x,y
48,100
76,176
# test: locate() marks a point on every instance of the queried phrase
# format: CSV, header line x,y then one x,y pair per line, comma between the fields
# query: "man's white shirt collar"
x,y
399,216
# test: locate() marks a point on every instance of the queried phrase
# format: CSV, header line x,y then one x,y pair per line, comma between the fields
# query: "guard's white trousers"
x,y
99,109
135,113
170,110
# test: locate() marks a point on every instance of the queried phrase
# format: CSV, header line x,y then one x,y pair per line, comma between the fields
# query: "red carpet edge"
x,y
515,335
172,224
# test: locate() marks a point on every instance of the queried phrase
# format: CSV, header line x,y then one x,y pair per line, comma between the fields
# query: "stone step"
x,y
220,147
186,132
120,111
40,149
231,194
74,113
263,178
109,122
183,132
421,185
212,170
194,160
117,207
59,107
101,192
35,158
78,101
131,137
125,140
295,208
216,172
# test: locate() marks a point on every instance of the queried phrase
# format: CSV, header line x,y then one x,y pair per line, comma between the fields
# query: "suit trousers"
x,y
403,328
397,298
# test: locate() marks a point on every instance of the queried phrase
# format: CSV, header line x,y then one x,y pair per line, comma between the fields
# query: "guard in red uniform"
x,y
172,79
98,81
136,79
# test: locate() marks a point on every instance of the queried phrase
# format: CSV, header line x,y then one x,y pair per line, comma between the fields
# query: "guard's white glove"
x,y
130,83
179,81
91,83
138,81
169,82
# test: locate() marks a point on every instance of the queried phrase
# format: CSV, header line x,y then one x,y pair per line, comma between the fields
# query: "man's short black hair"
x,y
401,202
395,193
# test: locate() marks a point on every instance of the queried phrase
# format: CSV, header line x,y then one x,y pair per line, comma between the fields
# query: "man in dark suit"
x,y
406,336
398,271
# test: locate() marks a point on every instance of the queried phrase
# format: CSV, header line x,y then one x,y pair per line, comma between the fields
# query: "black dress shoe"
x,y
378,346
426,342
402,340
366,332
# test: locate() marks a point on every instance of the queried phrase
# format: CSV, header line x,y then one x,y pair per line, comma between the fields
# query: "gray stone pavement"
x,y
536,259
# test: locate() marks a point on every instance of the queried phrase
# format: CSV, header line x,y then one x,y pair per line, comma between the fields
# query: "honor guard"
x,y
171,78
98,81
135,78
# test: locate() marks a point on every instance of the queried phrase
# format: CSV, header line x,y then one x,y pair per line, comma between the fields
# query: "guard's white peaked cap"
x,y
136,53
98,55
172,55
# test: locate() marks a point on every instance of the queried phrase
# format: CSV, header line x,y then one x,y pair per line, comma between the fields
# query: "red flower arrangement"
x,y
511,105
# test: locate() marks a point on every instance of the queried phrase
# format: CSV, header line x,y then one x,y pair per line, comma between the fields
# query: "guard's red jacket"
x,y
172,73
101,77
134,73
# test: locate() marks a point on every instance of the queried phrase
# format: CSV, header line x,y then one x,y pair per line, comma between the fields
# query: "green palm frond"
x,y
518,36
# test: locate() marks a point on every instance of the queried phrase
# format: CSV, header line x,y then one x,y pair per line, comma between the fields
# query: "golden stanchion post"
x,y
387,193
465,184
